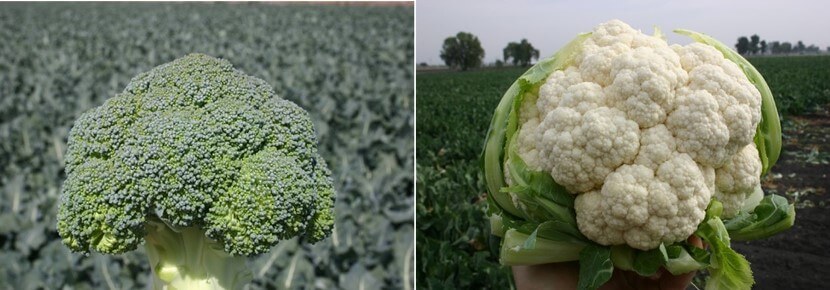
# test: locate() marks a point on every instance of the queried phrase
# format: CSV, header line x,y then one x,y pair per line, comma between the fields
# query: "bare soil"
x,y
800,257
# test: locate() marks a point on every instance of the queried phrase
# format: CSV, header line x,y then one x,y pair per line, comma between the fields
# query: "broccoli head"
x,y
201,161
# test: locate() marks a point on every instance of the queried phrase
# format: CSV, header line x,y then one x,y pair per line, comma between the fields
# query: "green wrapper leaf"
x,y
595,267
772,216
522,249
727,268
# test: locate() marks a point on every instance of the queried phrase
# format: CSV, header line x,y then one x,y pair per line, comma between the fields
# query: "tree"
x,y
799,48
812,48
786,47
462,51
775,47
753,43
521,52
743,45
763,46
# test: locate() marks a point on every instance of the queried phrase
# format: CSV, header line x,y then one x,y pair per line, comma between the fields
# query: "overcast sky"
x,y
549,24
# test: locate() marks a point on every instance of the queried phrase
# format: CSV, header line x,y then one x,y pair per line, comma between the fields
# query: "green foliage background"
x,y
350,67
800,84
455,248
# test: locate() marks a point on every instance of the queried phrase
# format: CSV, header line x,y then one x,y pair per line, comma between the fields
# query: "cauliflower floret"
x,y
709,176
739,102
737,179
583,97
608,41
642,207
656,146
529,118
613,32
642,132
589,208
644,82
595,65
555,87
696,54
587,147
699,128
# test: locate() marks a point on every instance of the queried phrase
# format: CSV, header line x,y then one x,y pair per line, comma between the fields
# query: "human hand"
x,y
557,276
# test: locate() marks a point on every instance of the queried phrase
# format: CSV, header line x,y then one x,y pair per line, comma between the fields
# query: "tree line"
x,y
463,51
754,45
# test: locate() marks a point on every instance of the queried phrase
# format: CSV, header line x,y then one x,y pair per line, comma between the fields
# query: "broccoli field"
x,y
350,67
456,250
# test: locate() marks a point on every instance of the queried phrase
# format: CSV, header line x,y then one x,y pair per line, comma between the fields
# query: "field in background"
x,y
350,67
455,249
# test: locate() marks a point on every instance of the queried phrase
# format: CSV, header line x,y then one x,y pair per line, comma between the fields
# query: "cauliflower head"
x,y
644,134
620,147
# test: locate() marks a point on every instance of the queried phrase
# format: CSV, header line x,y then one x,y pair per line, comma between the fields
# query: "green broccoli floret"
x,y
203,162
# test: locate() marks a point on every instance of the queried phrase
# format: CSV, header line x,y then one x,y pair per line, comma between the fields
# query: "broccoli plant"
x,y
204,165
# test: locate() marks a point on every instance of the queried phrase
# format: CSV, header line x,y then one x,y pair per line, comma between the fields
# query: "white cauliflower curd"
x,y
620,148
644,134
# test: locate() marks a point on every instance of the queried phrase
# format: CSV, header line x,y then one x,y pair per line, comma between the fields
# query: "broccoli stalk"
x,y
184,258
203,164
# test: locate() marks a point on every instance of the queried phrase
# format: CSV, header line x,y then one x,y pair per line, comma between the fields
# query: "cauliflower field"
x,y
349,66
454,110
